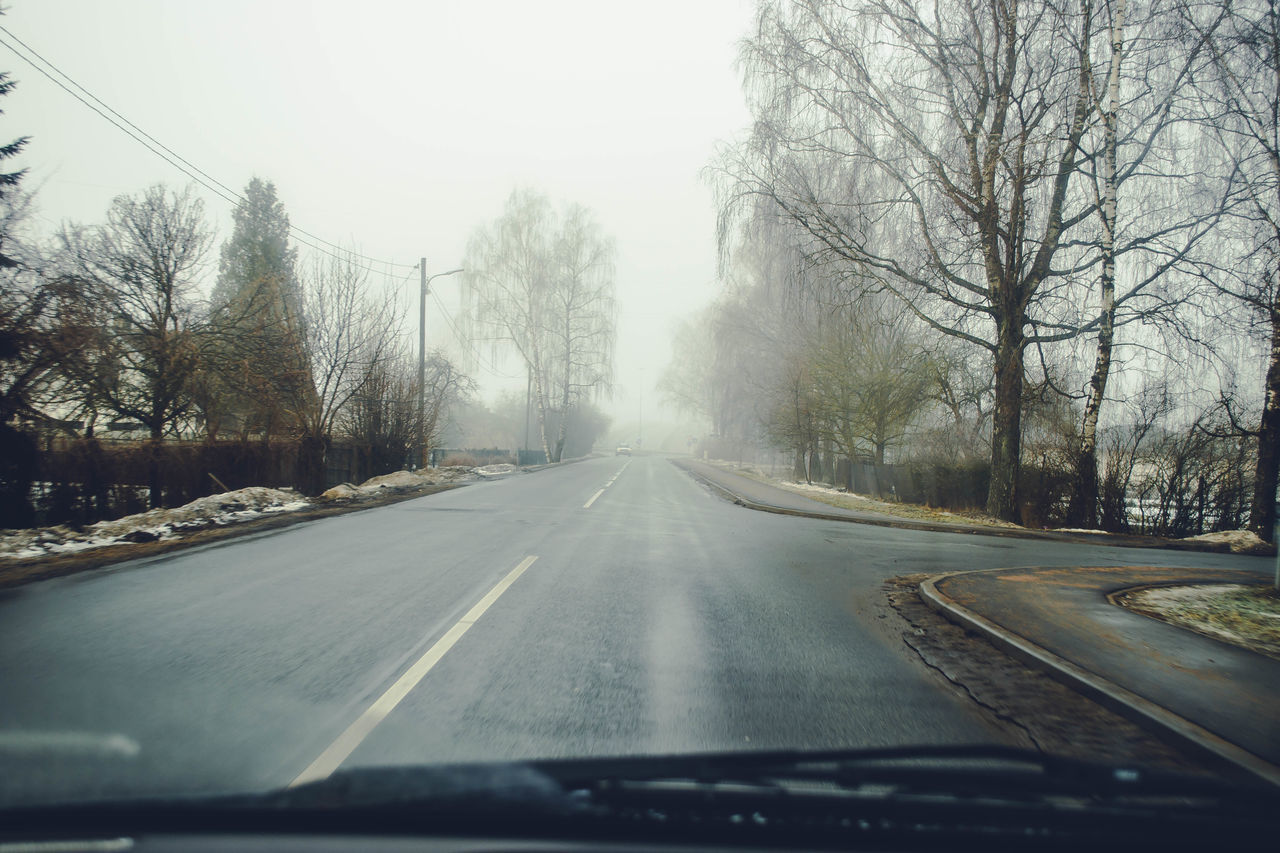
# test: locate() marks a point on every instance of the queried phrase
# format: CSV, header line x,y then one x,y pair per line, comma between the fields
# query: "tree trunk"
x,y
1006,433
311,464
155,485
1262,515
563,430
1084,499
541,400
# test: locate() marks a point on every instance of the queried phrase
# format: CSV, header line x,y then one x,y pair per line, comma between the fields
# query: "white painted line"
x,y
588,504
29,742
341,749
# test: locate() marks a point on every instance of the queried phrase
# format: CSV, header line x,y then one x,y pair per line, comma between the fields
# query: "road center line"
x,y
612,480
341,749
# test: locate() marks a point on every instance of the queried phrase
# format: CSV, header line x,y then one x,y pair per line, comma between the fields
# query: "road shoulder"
x,y
764,497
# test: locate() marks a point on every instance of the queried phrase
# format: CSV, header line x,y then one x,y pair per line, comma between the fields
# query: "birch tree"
x,y
581,322
928,148
1239,84
1152,211
544,286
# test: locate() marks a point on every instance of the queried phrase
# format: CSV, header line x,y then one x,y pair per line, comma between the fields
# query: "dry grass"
x,y
1245,616
844,500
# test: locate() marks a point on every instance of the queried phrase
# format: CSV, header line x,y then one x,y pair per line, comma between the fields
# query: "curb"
x,y
1128,704
1107,540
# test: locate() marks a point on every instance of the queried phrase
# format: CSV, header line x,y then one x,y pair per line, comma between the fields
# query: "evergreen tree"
x,y
258,250
257,309
9,180
19,309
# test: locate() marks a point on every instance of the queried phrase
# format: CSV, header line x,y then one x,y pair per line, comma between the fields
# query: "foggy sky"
x,y
397,127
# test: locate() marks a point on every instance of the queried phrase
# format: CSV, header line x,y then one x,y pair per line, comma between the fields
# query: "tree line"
x,y
1045,233
108,325
540,282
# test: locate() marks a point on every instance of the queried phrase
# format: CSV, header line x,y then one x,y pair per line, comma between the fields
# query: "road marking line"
x,y
612,480
341,749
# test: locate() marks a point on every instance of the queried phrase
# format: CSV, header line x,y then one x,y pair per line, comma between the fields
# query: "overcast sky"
x,y
397,127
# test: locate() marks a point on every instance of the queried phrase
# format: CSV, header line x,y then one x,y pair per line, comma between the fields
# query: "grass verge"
x,y
844,500
1245,616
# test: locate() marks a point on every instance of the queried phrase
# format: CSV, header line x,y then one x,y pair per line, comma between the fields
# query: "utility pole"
x,y
422,363
422,356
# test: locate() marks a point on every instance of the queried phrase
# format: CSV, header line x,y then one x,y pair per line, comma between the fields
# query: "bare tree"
x,y
383,417
870,379
1239,87
447,386
348,336
137,273
545,287
580,324
930,149
1152,210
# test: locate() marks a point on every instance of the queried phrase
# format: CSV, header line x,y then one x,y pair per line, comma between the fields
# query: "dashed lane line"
x,y
612,480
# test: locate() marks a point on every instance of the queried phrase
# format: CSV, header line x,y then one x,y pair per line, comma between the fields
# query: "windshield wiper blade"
x,y
1010,770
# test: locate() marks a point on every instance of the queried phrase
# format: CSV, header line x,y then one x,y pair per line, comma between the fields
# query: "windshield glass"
x,y
389,385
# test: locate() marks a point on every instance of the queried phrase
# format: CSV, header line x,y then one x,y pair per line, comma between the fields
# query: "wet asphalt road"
x,y
656,618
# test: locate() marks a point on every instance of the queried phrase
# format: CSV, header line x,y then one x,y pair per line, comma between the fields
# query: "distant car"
x,y
623,450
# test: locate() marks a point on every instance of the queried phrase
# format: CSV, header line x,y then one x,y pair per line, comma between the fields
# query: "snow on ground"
x,y
342,491
1239,541
217,511
1246,616
396,478
827,490
211,511
423,477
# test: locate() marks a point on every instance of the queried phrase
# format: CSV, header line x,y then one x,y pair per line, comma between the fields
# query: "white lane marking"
x,y
30,742
101,845
341,749
612,480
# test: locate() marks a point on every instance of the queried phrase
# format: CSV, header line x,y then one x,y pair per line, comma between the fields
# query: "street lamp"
x,y
422,356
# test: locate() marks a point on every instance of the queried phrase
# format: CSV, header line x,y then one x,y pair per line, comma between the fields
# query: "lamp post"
x,y
422,356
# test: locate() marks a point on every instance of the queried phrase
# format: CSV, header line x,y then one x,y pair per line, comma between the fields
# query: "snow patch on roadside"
x,y
828,490
417,479
1239,541
494,470
396,478
158,524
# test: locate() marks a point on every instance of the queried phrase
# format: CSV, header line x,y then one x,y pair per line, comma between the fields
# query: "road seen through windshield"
x,y
609,606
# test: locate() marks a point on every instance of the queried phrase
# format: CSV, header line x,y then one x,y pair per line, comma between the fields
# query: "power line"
x,y
170,156
467,342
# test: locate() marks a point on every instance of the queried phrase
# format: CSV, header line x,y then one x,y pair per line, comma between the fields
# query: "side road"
x,y
1213,696
756,495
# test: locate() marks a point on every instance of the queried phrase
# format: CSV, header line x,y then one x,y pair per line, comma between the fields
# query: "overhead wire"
x,y
176,160
467,342
217,187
